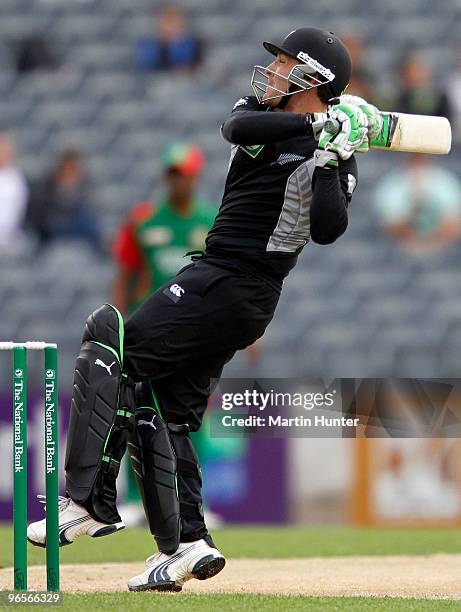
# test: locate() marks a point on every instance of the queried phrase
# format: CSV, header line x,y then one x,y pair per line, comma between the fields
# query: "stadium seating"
x,y
358,308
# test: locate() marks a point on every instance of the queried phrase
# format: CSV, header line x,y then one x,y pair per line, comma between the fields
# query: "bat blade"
x,y
414,134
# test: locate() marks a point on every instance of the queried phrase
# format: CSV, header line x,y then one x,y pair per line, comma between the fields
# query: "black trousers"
x,y
183,335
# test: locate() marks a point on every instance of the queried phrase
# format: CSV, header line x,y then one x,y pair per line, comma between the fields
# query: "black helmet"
x,y
314,46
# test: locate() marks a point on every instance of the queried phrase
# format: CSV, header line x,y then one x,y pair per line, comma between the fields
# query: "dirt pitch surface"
x,y
431,576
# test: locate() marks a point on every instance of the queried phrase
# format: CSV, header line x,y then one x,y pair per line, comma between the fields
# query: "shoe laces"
x,y
153,559
63,502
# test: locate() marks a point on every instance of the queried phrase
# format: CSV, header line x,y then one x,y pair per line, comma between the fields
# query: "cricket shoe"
x,y
170,572
74,521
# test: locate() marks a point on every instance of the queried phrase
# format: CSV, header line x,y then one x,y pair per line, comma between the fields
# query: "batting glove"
x,y
352,134
375,121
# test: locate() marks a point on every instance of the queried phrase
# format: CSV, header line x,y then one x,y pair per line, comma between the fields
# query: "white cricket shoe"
x,y
74,521
170,572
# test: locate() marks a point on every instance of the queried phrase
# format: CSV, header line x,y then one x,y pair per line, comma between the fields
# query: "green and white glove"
x,y
352,135
375,121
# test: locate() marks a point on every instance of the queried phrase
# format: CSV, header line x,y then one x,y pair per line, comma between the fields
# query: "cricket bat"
x,y
410,133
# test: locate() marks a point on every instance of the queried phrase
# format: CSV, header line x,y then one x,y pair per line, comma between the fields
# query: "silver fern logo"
x,y
287,158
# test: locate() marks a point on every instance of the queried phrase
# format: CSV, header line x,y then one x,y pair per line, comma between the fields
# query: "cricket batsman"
x,y
144,383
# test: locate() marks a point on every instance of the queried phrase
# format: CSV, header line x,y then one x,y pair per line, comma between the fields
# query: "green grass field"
x,y
253,542
144,602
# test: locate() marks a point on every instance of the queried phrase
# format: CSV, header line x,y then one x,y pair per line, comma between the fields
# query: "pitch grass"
x,y
179,602
258,543
252,542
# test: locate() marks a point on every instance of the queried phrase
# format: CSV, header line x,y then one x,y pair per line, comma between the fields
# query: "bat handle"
x,y
321,121
332,126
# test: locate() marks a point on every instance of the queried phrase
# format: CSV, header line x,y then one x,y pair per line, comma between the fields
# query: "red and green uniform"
x,y
157,236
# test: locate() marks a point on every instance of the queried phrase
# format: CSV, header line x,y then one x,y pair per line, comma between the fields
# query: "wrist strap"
x,y
314,123
325,159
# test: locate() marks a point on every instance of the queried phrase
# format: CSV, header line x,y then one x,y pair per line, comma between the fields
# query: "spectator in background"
x,y
60,206
420,205
359,85
13,195
174,46
419,94
151,243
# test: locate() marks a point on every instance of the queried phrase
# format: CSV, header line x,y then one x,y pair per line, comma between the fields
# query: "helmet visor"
x,y
302,76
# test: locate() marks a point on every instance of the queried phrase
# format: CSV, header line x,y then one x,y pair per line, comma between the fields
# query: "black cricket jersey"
x,y
275,199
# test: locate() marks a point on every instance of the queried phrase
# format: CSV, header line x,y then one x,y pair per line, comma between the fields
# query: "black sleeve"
x,y
333,190
252,123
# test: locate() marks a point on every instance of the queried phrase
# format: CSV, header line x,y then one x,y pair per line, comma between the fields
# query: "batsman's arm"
x,y
251,123
333,188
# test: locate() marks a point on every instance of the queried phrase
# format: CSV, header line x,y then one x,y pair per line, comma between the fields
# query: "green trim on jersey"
x,y
252,150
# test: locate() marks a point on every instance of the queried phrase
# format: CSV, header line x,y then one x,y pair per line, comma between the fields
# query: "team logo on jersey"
x,y
177,290
174,292
287,158
252,150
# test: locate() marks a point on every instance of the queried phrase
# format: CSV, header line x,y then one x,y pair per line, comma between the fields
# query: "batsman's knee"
x,y
105,326
102,411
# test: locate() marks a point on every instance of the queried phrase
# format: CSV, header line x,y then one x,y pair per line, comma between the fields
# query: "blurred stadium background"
x,y
364,307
